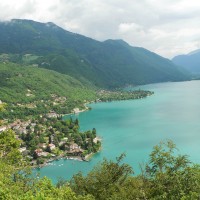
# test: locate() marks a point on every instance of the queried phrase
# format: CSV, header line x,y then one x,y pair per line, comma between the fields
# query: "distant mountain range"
x,y
108,64
190,62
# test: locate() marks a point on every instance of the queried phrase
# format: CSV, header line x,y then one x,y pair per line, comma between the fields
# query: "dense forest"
x,y
167,175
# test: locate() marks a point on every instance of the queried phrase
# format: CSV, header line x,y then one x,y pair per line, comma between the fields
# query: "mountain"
x,y
108,64
190,62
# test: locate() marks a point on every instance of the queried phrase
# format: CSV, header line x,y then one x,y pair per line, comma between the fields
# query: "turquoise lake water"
x,y
135,126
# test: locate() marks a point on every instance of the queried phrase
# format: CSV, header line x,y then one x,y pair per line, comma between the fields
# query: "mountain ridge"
x,y
190,61
108,64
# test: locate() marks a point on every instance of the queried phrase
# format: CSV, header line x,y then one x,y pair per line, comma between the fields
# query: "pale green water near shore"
x,y
135,126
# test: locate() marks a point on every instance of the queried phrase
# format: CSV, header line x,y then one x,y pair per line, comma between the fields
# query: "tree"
x,y
104,180
94,132
9,146
50,138
14,173
78,139
76,122
55,140
46,190
17,183
170,176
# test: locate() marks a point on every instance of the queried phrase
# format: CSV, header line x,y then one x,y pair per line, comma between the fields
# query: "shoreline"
x,y
49,161
79,111
88,157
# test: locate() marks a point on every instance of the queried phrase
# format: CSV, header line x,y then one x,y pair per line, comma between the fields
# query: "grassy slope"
x,y
16,80
30,91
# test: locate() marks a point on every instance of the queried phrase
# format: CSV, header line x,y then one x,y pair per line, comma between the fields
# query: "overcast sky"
x,y
167,27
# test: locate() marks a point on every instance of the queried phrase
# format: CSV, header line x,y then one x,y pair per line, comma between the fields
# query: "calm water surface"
x,y
135,126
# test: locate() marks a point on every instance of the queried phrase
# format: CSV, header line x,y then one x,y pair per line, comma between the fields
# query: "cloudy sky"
x,y
167,27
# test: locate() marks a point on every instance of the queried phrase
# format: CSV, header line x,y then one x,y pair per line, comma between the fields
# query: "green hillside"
x,y
31,90
108,64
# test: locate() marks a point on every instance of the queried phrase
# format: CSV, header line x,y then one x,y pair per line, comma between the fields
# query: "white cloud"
x,y
130,27
166,27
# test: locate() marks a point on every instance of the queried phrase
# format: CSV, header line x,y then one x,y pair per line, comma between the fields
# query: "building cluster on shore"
x,y
50,137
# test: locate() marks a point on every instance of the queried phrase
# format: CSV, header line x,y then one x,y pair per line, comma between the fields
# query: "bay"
x,y
135,126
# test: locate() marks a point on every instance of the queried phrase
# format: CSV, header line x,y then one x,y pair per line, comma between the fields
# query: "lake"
x,y
135,126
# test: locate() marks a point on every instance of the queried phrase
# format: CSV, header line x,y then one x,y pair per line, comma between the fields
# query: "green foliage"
x,y
32,91
14,173
44,189
9,148
104,95
17,183
62,133
2,107
167,176
162,159
104,180
170,175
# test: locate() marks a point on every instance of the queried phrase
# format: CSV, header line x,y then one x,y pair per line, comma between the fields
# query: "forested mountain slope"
x,y
29,90
109,64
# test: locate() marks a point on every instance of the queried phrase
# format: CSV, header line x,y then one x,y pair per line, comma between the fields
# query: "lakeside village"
x,y
48,137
